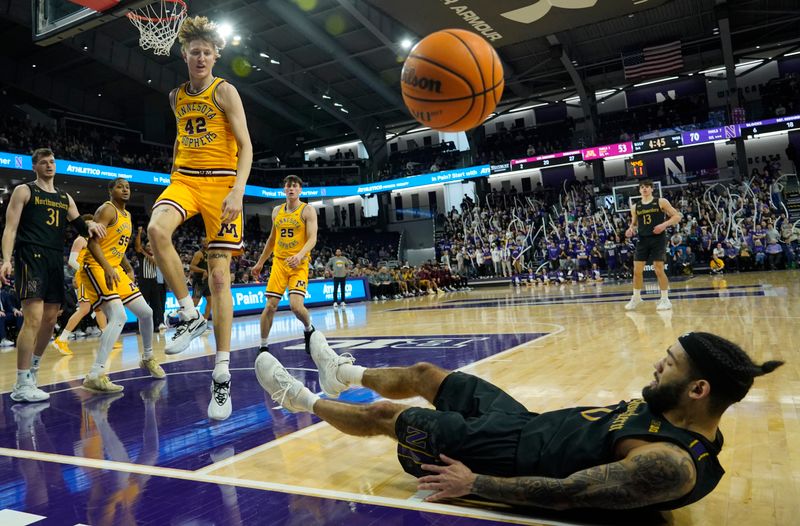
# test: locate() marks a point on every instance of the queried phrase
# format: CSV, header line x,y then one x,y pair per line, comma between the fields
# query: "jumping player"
x,y
293,236
212,159
648,218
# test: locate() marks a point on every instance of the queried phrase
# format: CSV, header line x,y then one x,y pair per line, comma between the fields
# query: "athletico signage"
x,y
97,171
250,299
504,22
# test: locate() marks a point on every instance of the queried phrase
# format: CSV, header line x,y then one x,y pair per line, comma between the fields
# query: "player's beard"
x,y
664,397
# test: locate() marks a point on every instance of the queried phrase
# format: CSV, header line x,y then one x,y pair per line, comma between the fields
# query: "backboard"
x,y
626,195
56,20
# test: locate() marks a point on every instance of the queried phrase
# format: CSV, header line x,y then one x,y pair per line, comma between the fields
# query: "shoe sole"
x,y
100,391
21,400
193,336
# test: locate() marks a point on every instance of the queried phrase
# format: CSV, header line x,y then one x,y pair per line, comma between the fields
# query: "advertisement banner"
x,y
97,171
250,298
680,161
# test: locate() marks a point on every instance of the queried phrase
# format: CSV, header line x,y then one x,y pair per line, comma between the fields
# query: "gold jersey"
x,y
115,244
206,144
290,231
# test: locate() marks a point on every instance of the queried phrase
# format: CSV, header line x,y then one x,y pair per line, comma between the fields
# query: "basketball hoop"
x,y
158,24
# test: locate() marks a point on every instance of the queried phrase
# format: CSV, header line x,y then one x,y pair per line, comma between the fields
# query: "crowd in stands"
x,y
426,159
737,225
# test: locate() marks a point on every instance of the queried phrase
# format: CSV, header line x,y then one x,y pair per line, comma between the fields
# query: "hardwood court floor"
x,y
549,347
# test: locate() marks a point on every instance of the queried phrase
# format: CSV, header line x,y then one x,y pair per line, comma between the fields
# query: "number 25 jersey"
x,y
114,245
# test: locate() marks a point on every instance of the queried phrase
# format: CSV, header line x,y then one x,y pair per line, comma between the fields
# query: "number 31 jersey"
x,y
206,144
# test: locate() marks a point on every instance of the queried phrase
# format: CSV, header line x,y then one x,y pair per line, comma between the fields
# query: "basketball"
x,y
452,80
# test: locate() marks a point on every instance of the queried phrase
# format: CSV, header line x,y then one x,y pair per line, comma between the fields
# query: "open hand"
x,y
454,479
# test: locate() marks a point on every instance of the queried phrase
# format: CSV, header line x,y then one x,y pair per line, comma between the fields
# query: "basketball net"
x,y
158,24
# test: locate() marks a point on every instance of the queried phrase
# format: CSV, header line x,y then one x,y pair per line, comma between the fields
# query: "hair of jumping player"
x,y
200,28
41,152
725,365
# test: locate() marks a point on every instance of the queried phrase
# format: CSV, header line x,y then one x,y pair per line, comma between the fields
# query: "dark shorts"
x,y
474,422
39,274
651,248
200,288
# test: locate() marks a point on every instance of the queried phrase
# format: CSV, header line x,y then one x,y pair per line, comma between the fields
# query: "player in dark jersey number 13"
x,y
650,218
659,451
36,222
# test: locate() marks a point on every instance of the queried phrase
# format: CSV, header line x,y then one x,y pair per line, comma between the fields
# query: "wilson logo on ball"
x,y
410,77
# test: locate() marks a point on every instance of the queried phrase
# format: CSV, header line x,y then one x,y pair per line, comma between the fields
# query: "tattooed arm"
x,y
653,473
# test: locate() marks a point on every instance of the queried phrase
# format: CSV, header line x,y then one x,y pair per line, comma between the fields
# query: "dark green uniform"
x,y
39,246
493,434
651,246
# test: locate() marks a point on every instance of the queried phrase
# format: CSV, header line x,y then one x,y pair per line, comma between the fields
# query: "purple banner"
x,y
681,160
555,177
655,93
730,131
550,113
789,65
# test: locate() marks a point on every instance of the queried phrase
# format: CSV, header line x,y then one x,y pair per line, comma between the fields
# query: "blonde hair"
x,y
200,28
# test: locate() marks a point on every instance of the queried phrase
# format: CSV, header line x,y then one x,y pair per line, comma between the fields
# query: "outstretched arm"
x,y
650,474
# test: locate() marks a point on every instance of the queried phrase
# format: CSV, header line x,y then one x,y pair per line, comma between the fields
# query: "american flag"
x,y
653,60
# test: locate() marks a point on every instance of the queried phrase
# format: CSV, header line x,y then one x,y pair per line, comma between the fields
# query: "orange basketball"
x,y
452,80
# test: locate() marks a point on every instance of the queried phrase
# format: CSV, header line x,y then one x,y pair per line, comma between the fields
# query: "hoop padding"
x,y
158,24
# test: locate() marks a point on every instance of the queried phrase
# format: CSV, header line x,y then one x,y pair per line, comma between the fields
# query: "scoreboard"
x,y
635,169
658,143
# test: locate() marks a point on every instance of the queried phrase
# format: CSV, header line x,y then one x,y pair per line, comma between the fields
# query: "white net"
x,y
158,24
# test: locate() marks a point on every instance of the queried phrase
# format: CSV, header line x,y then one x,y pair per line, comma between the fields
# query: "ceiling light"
x,y
273,61
225,30
149,81
406,43
654,81
263,55
237,39
33,65
326,96
337,104
343,110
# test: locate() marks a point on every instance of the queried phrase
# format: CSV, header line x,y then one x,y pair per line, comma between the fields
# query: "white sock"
x,y
35,360
147,353
64,336
637,294
309,328
665,294
221,372
23,376
96,370
188,311
350,374
264,342
115,313
306,399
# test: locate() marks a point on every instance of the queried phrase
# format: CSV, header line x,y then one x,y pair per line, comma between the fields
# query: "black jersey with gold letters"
x,y
559,443
43,220
648,216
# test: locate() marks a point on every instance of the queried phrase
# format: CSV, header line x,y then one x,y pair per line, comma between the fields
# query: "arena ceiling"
x,y
346,54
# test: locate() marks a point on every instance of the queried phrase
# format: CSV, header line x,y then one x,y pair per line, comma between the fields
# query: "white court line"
x,y
297,434
193,476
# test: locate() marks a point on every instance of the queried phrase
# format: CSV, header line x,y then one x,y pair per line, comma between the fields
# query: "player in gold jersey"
x,y
77,256
293,236
109,284
212,158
